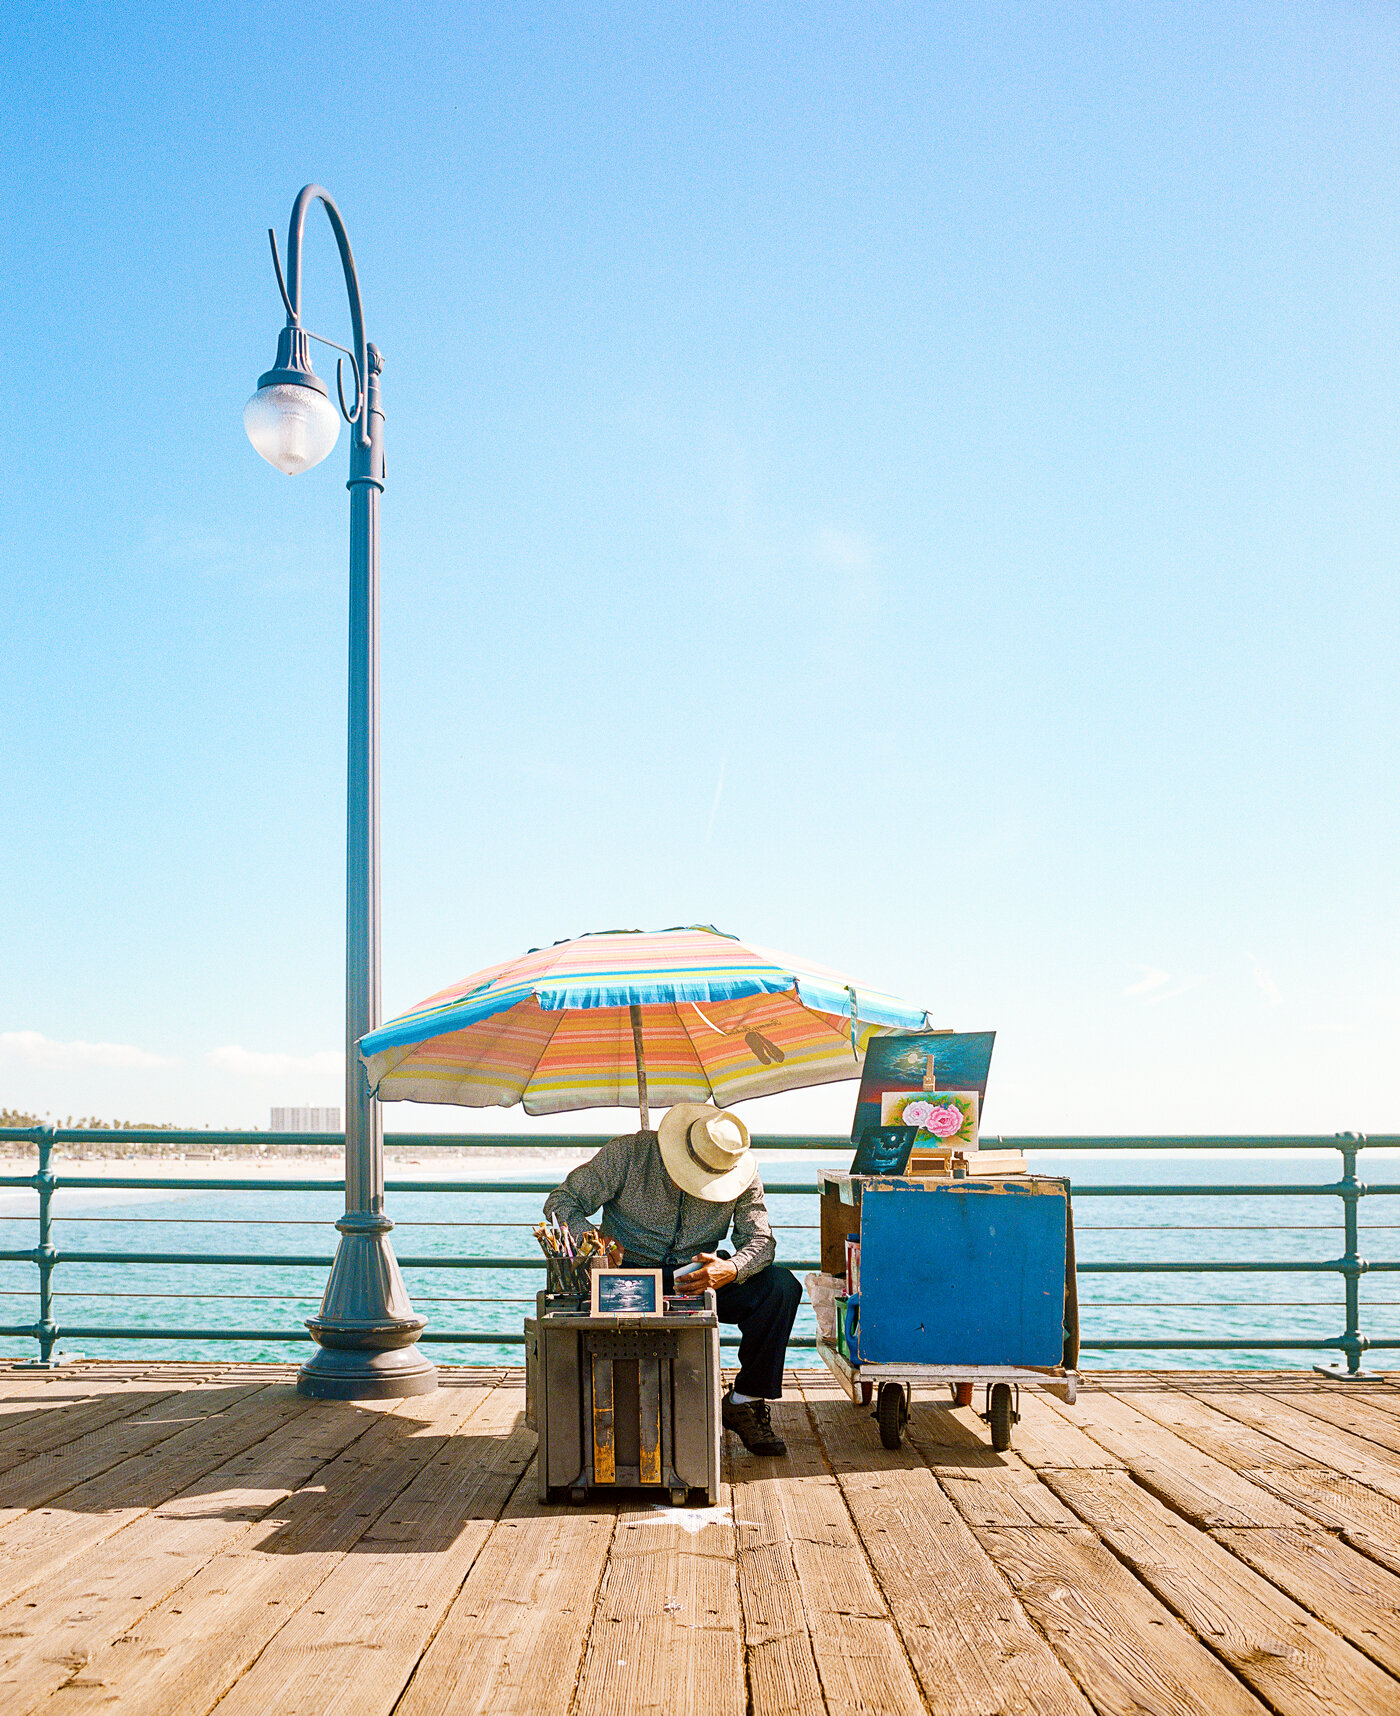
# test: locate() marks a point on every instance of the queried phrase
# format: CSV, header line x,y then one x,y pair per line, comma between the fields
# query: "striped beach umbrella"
x,y
615,1019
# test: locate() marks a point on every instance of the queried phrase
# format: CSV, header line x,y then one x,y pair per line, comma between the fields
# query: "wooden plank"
x,y
649,1420
58,1423
37,1543
1363,1415
1047,1437
969,1641
604,1461
986,1488
1298,1666
1193,1419
18,1410
182,1656
1337,1583
1127,1650
1330,1579
46,1645
1367,1521
354,1643
666,1623
48,1475
1323,1444
1190,1482
817,1633
511,1642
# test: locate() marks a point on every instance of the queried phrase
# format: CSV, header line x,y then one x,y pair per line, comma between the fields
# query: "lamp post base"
x,y
367,1329
340,1373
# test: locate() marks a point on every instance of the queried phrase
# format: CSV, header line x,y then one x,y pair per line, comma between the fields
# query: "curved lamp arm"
x,y
291,294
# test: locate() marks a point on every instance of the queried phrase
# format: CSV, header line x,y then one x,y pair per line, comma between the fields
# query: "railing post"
x,y
45,1330
1353,1342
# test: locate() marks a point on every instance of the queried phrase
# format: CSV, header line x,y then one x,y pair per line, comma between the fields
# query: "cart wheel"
x,y
999,1415
962,1393
680,1495
893,1413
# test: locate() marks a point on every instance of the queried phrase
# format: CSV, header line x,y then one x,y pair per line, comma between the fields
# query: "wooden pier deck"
x,y
179,1537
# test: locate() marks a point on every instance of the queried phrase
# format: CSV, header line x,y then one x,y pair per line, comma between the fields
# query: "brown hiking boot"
x,y
752,1425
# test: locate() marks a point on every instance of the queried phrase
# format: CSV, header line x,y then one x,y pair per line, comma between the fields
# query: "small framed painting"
x,y
627,1293
884,1150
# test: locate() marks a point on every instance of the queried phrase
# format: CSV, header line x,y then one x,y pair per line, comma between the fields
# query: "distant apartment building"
x,y
306,1120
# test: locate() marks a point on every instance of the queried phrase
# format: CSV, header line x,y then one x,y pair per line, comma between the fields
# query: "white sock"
x,y
737,1399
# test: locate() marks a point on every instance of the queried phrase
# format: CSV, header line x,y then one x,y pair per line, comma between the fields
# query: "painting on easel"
x,y
899,1066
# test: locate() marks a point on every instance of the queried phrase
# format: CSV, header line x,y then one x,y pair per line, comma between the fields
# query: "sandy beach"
x,y
400,1164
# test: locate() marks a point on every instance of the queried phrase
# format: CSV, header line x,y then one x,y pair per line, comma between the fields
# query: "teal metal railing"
x,y
48,1258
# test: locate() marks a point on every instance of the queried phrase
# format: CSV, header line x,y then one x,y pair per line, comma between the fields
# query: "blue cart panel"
x,y
969,1272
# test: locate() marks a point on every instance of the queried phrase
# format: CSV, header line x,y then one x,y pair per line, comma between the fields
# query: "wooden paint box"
x,y
624,1402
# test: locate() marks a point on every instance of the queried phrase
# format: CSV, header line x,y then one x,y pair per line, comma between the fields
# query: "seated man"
x,y
668,1198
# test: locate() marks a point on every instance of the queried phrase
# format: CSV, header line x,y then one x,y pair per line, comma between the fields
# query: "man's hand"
x,y
711,1271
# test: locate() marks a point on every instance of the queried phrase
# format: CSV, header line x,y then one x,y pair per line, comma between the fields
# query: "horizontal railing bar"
x,y
174,1183
1332,1189
445,1337
275,1183
189,1183
786,1226
282,1298
123,1220
503,1338
1176,1343
1234,1266
283,1260
507,1299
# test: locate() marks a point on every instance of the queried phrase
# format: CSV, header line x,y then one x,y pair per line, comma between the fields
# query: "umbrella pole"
x,y
636,1013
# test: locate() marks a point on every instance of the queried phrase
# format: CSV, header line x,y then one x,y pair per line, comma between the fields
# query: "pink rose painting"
x,y
950,1116
943,1121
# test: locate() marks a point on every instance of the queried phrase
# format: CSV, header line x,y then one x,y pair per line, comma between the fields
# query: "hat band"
x,y
700,1161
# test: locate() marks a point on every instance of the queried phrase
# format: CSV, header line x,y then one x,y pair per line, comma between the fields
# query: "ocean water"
x,y
447,1225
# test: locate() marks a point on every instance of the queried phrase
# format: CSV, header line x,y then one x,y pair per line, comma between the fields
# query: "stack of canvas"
x,y
954,1164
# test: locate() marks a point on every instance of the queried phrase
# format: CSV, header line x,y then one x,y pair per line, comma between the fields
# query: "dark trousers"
x,y
764,1307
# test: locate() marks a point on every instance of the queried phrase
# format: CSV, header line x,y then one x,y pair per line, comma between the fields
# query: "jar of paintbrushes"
x,y
570,1262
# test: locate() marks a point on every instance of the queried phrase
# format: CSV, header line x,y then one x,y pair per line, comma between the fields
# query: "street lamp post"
x,y
366,1329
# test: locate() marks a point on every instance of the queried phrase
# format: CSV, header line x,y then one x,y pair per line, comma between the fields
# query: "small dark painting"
x,y
884,1150
960,1062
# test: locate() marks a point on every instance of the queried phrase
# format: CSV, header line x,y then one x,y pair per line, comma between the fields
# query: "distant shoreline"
x,y
294,1161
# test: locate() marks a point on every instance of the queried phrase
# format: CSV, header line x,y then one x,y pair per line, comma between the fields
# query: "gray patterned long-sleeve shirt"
x,y
651,1218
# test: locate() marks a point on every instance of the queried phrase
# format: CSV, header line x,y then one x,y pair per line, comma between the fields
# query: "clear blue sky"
x,y
915,485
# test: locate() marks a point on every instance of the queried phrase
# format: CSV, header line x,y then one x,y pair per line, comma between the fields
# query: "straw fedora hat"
x,y
705,1150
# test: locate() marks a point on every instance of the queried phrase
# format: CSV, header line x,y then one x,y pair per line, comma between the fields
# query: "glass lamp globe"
x,y
294,427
